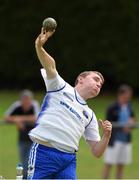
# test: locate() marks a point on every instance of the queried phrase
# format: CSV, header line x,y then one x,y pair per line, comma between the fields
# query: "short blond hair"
x,y
86,73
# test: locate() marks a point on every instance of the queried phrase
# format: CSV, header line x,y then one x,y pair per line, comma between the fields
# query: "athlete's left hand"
x,y
106,126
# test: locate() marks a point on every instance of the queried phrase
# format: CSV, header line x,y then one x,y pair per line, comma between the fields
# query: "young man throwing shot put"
x,y
64,118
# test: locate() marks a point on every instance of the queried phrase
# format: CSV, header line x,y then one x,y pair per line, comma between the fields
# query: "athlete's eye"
x,y
96,79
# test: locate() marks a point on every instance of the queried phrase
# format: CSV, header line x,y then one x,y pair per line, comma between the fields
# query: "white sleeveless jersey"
x,y
64,116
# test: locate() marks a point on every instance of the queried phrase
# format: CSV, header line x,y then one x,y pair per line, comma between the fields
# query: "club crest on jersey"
x,y
65,94
85,114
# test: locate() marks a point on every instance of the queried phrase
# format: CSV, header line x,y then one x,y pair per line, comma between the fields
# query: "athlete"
x,y
64,118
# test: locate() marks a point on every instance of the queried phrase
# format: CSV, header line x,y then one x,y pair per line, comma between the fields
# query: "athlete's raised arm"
x,y
46,60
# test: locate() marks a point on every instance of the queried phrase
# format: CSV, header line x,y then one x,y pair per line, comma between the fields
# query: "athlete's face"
x,y
92,84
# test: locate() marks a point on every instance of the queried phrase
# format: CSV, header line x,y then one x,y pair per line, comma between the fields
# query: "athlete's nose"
x,y
99,85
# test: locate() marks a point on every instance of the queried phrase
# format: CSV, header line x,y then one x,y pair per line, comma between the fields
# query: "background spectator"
x,y
120,113
23,113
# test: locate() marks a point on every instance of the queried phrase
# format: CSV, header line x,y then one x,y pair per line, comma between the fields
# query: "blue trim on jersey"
x,y
45,105
90,121
57,90
78,99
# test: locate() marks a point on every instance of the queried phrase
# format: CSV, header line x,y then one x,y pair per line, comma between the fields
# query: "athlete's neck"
x,y
81,92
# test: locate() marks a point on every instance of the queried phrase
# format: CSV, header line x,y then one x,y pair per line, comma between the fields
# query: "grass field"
x,y
88,166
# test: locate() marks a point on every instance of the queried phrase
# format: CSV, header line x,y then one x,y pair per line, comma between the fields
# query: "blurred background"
x,y
91,35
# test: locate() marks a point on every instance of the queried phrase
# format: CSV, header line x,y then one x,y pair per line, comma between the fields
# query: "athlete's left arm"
x,y
98,148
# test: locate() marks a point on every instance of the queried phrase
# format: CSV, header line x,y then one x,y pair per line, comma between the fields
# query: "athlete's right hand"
x,y
106,127
43,37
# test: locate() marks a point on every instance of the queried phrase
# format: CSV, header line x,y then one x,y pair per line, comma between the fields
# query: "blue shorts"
x,y
50,163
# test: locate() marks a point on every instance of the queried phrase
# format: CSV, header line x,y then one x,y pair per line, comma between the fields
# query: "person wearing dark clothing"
x,y
23,113
121,115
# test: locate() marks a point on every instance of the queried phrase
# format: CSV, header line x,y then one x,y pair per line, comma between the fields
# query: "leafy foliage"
x,y
96,34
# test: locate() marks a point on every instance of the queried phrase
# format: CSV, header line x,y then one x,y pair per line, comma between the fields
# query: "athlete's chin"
x,y
94,95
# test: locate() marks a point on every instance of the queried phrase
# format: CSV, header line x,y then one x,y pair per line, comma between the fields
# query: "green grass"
x,y
88,166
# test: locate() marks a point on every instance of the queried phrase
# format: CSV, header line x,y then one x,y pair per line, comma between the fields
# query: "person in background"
x,y
121,115
24,114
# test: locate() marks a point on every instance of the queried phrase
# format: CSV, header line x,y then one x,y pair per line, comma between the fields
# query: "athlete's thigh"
x,y
42,164
68,173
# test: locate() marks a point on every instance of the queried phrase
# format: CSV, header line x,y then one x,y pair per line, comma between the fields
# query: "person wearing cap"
x,y
23,113
119,150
